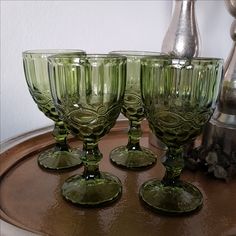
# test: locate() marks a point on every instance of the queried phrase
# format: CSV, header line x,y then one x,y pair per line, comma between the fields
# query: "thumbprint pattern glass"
x,y
36,73
179,97
88,92
132,155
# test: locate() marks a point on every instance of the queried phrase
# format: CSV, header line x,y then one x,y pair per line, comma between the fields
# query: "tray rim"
x,y
11,142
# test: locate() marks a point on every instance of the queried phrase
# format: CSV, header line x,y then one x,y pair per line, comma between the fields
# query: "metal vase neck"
x,y
182,37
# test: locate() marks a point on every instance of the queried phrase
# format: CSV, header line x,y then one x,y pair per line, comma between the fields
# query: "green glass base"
x,y
123,157
92,192
59,160
180,199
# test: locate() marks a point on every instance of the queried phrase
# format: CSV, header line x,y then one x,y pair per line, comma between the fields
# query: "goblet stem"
x,y
174,164
60,156
91,157
60,135
132,155
171,195
92,187
135,134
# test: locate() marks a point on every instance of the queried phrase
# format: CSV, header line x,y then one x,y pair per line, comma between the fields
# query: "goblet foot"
x,y
92,192
59,160
181,198
121,156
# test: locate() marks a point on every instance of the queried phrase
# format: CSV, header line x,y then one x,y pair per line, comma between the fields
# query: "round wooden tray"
x,y
31,199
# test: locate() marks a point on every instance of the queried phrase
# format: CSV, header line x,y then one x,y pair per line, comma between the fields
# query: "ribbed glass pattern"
x,y
179,96
36,74
88,92
133,107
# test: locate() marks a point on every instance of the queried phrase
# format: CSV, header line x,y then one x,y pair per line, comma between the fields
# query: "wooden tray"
x,y
31,199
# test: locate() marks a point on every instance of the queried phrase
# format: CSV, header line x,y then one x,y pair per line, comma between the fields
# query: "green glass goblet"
x,y
132,155
88,93
179,97
36,73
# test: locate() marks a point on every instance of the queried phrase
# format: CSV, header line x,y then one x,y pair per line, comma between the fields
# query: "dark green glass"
x,y
179,97
132,155
88,92
36,73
